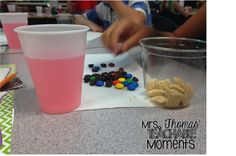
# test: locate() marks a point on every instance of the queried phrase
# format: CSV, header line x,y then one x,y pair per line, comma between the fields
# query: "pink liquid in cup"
x,y
12,38
58,83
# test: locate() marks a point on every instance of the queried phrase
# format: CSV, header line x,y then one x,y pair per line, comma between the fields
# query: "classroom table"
x,y
106,131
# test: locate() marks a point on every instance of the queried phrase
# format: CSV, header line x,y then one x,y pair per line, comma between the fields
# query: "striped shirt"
x,y
103,15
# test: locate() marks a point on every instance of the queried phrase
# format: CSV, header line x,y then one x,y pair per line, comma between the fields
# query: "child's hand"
x,y
96,28
125,31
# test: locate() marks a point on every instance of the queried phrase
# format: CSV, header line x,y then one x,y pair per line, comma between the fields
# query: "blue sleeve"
x,y
92,15
140,5
145,8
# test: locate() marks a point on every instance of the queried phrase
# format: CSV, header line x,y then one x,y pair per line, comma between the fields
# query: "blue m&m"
x,y
135,84
125,83
95,68
131,87
128,76
99,83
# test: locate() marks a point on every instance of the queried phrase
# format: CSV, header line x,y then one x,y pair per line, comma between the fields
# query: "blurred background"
x,y
166,15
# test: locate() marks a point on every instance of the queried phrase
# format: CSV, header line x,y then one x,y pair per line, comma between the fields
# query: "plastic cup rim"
x,y
13,13
172,49
30,32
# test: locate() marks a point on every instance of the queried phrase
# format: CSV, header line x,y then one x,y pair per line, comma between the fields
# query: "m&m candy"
x,y
121,69
103,65
99,83
86,78
119,86
135,79
135,84
92,82
105,74
128,76
92,78
108,83
129,80
115,82
90,65
131,87
121,79
111,64
126,83
95,68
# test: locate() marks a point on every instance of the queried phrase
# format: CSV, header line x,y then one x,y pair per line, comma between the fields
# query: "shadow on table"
x,y
26,102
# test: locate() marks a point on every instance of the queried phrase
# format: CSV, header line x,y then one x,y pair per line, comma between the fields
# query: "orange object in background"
x,y
9,78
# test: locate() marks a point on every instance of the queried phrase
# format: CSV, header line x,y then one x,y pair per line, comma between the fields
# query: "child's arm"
x,y
123,10
128,32
84,21
193,27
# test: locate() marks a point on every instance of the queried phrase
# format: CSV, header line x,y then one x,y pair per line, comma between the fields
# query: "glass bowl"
x,y
174,70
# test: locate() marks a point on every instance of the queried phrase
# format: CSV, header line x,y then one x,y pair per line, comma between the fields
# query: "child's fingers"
x,y
113,35
134,39
106,37
119,30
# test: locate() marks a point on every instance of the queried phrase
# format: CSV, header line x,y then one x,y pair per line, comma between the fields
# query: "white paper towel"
x,y
102,97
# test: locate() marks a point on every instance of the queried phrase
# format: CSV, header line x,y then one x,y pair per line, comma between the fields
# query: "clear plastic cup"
x,y
55,56
39,10
176,68
11,7
9,22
